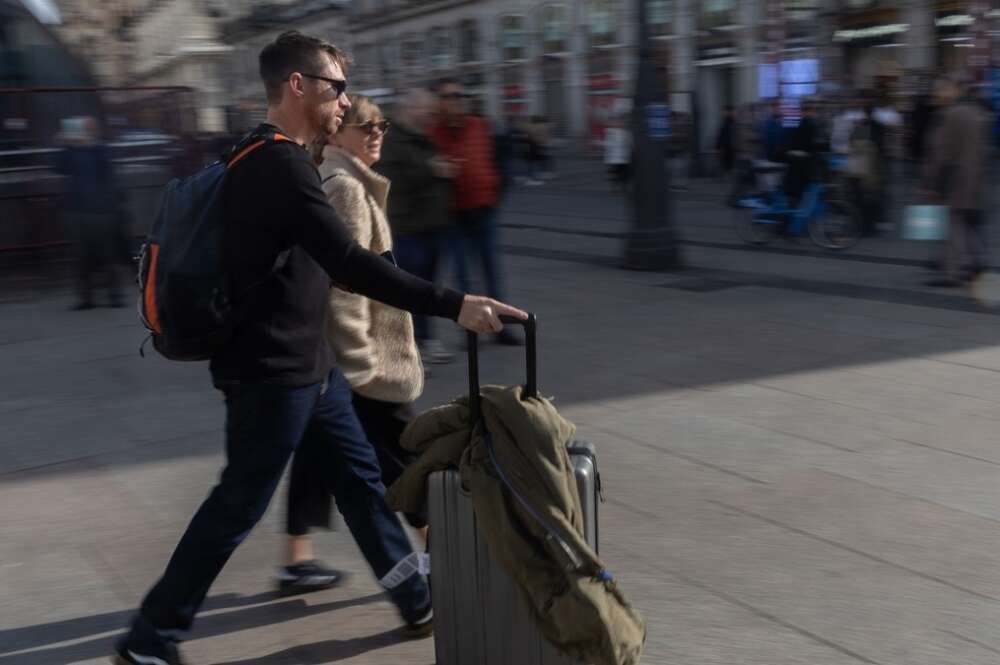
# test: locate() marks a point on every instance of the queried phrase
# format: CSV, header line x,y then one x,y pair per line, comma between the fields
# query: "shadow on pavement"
x,y
40,638
327,651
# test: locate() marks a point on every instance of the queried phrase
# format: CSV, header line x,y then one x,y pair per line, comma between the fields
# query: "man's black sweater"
x,y
275,202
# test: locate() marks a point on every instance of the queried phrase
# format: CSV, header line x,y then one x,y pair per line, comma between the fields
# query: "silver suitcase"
x,y
479,615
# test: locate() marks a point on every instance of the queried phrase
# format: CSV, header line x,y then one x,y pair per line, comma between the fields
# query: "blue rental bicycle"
x,y
823,211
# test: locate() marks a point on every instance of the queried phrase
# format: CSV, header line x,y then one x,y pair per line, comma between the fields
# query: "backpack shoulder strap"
x,y
251,143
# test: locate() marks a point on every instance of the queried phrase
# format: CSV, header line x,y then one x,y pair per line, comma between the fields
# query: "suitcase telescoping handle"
x,y
530,387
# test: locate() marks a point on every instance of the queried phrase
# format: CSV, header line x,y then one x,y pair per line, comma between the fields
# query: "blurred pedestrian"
x,y
277,371
747,150
466,140
374,345
921,118
725,141
773,134
548,160
507,141
536,135
842,128
806,145
419,205
867,168
92,210
618,151
956,176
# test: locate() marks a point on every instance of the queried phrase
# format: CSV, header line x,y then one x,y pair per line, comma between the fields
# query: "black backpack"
x,y
184,295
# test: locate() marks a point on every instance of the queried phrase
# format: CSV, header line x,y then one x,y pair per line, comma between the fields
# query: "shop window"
x,y
364,64
513,38
718,14
387,59
602,22
439,45
659,17
555,29
468,36
412,52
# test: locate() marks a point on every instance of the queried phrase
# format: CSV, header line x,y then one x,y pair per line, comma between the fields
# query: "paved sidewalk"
x,y
793,477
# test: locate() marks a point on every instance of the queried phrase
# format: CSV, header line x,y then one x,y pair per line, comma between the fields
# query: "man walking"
x,y
726,140
465,139
419,203
956,175
92,201
276,372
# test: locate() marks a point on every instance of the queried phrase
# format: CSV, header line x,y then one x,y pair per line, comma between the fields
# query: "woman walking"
x,y
374,345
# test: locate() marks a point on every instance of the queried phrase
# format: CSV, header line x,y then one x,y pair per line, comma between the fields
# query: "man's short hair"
x,y
294,52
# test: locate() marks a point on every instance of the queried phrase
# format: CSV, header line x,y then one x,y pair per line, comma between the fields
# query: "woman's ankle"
x,y
299,549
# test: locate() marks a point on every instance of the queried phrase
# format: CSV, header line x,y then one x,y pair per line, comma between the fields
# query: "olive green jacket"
x,y
575,601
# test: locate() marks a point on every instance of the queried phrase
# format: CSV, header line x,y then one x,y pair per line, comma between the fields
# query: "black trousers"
x,y
265,425
309,491
99,254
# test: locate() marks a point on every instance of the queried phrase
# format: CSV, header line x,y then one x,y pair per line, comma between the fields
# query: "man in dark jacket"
x,y
725,142
92,213
773,134
955,175
277,372
419,203
805,147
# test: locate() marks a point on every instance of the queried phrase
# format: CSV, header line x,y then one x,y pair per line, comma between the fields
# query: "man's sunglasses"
x,y
369,127
337,85
454,95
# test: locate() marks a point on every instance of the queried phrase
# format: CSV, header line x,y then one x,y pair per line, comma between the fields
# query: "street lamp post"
x,y
651,243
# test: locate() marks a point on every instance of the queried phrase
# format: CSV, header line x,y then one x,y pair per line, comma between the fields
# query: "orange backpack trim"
x,y
253,146
152,314
149,296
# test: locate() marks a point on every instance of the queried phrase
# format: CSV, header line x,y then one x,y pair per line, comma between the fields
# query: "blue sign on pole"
x,y
658,121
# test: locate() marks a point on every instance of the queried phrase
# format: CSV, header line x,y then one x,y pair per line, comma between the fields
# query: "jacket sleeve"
x,y
318,229
401,165
349,319
940,156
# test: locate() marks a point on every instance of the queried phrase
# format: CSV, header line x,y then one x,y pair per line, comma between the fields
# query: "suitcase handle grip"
x,y
530,387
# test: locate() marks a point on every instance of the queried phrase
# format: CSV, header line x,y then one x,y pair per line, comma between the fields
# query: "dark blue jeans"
x,y
421,254
477,237
264,425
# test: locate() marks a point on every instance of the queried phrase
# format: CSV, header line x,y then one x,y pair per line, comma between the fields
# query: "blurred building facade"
x,y
176,43
246,34
202,44
574,60
96,31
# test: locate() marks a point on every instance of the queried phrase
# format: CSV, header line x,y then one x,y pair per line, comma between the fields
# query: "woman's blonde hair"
x,y
363,109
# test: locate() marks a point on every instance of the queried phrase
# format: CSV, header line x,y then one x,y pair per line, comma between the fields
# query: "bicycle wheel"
x,y
836,227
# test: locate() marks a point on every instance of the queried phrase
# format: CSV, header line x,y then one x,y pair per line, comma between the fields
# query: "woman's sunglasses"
x,y
369,127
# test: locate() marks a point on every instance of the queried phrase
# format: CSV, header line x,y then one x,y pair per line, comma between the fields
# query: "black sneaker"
x,y
307,576
421,628
166,653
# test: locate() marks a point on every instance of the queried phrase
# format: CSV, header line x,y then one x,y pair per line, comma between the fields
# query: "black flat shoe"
x,y
307,576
